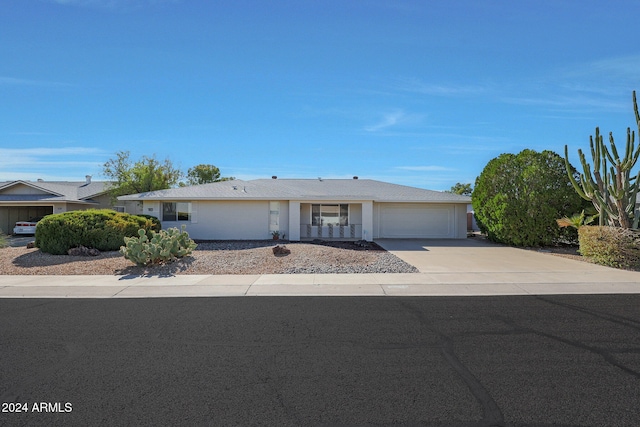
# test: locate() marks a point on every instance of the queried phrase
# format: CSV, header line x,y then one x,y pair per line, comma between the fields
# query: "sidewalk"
x,y
591,281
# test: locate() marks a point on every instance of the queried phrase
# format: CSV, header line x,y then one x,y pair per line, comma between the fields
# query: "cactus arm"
x,y
578,187
635,109
615,158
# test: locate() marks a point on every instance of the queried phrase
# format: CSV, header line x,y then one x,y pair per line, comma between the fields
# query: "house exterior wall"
x,y
249,220
135,208
355,213
226,220
67,207
103,202
367,221
295,219
305,213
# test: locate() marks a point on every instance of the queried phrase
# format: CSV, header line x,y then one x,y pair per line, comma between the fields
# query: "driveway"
x,y
476,255
18,241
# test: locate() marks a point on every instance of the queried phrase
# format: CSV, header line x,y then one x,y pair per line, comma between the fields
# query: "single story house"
x,y
300,209
23,200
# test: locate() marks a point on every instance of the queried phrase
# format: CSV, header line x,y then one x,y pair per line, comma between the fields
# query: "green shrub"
x,y
610,246
157,248
3,240
518,197
102,229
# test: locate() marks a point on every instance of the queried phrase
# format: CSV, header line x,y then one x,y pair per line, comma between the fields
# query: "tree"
x,y
612,190
462,189
518,198
147,174
204,174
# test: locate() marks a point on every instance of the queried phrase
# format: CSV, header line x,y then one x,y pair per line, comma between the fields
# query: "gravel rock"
x,y
83,251
218,257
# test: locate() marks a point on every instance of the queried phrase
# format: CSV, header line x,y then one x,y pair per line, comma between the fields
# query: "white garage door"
x,y
416,221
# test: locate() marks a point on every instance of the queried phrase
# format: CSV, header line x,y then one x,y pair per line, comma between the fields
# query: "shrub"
x,y
518,197
610,246
157,248
102,229
3,240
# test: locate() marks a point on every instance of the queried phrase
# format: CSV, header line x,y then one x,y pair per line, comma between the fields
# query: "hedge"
x,y
102,229
610,246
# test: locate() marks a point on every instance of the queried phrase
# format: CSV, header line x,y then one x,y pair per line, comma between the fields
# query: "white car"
x,y
26,227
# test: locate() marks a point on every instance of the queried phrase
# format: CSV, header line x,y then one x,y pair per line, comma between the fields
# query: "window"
x,y
329,214
180,211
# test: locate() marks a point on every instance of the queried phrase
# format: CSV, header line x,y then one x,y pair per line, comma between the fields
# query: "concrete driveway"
x,y
476,255
18,241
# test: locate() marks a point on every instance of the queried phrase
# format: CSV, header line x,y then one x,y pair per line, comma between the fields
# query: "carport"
x,y
9,215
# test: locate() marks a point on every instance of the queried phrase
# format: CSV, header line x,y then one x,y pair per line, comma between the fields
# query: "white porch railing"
x,y
327,232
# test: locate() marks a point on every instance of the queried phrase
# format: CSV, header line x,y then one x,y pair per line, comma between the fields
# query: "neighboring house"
x,y
22,200
303,209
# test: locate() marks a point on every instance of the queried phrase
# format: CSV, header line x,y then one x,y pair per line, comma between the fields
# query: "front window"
x,y
180,211
323,215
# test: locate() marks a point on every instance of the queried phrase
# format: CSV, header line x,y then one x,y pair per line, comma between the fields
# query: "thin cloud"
x,y
415,85
389,120
18,161
40,152
623,68
13,81
601,85
113,4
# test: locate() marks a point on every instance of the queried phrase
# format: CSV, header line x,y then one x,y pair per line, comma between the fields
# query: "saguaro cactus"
x,y
612,190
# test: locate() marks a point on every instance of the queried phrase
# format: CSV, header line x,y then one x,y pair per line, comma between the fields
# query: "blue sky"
x,y
420,93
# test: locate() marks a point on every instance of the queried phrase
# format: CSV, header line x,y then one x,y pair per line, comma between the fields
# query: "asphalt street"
x,y
297,361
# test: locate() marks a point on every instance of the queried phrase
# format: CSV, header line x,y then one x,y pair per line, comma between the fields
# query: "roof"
x,y
302,189
55,191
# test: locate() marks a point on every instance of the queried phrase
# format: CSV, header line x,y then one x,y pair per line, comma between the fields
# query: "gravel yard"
x,y
227,257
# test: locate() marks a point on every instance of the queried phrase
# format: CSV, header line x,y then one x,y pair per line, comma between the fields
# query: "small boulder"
x,y
362,243
31,245
281,250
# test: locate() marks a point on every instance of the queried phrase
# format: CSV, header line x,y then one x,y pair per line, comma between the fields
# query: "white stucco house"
x,y
301,209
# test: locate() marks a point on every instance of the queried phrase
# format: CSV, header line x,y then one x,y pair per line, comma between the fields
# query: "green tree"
x,y
204,174
462,189
146,174
518,198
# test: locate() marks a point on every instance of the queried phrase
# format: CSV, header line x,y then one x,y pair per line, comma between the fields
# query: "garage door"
x,y
416,221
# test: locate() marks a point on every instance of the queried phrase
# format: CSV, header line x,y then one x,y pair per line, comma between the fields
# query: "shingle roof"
x,y
302,189
57,191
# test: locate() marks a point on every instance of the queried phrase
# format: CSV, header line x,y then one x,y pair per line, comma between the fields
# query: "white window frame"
x,y
184,209
339,205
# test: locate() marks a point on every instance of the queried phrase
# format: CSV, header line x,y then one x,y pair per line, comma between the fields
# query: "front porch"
x,y
330,220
